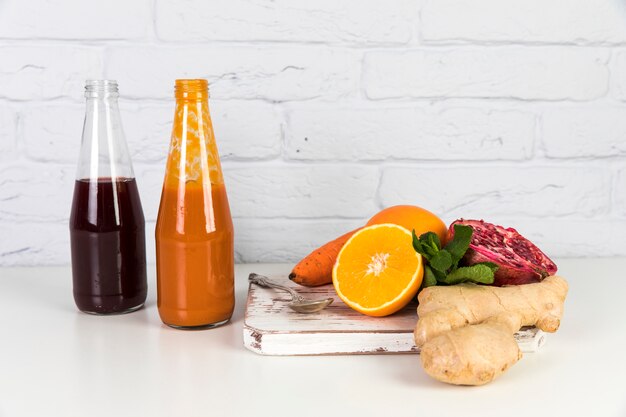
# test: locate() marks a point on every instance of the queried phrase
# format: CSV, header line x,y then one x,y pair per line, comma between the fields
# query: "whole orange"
x,y
412,218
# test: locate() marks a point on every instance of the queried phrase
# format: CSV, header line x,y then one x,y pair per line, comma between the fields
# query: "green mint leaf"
x,y
440,276
432,239
459,243
442,261
441,265
479,273
419,247
430,243
494,267
429,277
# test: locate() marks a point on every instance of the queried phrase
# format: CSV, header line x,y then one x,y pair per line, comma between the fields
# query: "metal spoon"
x,y
298,303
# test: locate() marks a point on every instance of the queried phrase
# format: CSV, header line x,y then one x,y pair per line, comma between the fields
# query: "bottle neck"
x,y
102,109
193,155
102,119
191,116
190,113
194,89
101,89
104,153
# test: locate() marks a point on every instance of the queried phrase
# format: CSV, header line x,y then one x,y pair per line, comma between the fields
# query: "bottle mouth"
x,y
98,88
191,89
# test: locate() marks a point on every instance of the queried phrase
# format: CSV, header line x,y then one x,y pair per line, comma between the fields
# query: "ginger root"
x,y
465,331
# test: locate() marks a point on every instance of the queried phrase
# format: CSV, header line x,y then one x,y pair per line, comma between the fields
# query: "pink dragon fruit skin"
x,y
519,260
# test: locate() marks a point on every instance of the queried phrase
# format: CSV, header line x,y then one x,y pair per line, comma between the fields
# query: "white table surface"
x,y
56,361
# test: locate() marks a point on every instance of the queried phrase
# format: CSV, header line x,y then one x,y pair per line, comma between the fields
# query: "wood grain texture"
x,y
272,328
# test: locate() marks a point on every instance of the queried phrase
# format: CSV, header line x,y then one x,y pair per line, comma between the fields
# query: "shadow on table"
x,y
228,336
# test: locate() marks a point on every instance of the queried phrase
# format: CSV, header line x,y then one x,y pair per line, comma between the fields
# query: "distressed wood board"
x,y
272,328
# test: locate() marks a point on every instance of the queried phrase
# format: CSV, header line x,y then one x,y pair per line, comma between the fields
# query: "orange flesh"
x,y
377,271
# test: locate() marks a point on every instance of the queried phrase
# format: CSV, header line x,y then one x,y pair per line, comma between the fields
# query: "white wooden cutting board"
x,y
272,328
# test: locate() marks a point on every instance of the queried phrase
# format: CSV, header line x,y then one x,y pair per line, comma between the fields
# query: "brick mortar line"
x,y
336,219
492,103
279,161
375,46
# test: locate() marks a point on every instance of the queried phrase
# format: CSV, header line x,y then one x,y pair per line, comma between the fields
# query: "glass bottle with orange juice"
x,y
194,231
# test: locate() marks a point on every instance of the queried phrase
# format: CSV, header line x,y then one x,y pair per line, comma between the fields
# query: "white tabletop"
x,y
55,360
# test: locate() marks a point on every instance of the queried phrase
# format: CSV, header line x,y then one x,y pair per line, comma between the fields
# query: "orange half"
x,y
377,271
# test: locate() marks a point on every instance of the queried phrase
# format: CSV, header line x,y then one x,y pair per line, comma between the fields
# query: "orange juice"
x,y
194,232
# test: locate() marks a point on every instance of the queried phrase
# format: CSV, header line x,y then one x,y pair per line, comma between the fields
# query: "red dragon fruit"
x,y
519,261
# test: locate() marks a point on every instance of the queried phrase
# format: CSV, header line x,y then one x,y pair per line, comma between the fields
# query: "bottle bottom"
x,y
200,327
114,313
195,319
105,305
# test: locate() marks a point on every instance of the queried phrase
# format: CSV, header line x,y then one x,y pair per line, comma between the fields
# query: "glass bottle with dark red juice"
x,y
107,226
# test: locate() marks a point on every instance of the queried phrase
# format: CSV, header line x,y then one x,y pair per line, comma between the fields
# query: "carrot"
x,y
317,267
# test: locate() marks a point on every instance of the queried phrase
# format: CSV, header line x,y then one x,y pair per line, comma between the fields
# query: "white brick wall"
x,y
532,191
325,112
585,131
390,21
299,191
419,132
517,72
620,192
75,19
44,72
8,133
266,72
35,192
551,21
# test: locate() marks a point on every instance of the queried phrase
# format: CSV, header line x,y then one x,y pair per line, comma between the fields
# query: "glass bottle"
x,y
107,226
194,230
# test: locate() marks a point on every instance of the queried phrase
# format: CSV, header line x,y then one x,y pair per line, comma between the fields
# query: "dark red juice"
x,y
107,231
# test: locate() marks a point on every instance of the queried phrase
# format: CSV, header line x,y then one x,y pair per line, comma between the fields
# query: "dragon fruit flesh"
x,y
519,261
